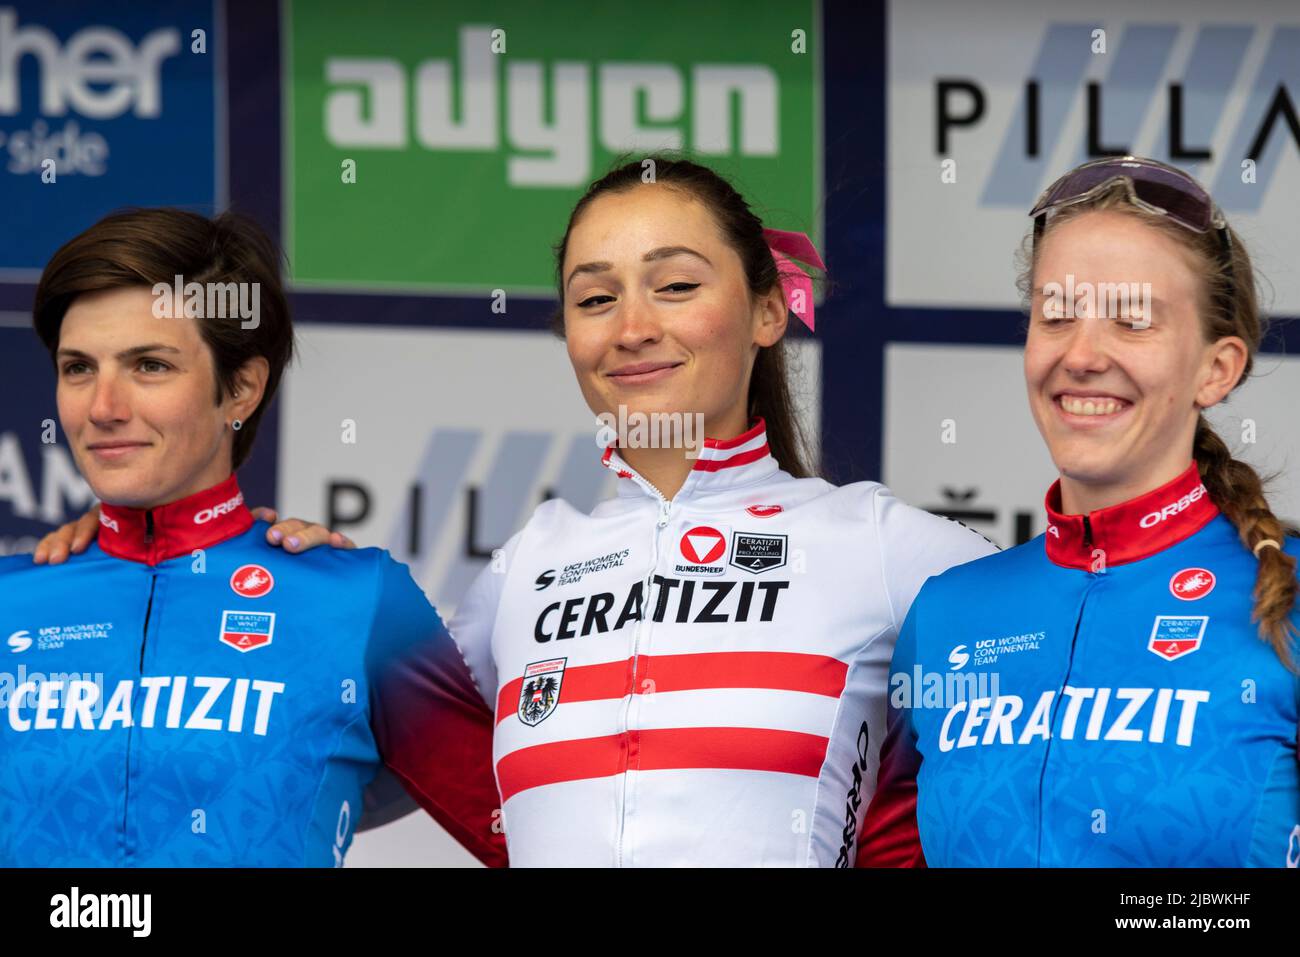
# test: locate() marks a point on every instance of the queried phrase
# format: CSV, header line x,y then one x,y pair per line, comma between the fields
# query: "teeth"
x,y
1077,406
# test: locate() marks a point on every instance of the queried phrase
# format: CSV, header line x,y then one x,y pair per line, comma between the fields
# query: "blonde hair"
x,y
1229,306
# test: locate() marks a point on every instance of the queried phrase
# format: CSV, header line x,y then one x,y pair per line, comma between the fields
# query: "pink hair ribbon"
x,y
785,245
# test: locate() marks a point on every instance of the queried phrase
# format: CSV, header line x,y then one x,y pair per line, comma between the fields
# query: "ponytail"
x,y
771,398
1238,491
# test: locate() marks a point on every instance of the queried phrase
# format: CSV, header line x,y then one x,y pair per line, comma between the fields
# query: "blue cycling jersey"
x,y
184,694
1096,697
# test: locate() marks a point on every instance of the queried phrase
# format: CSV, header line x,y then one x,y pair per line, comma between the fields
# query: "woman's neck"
x,y
665,469
668,468
1081,498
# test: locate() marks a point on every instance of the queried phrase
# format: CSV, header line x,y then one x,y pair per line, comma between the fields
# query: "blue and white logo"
x,y
247,630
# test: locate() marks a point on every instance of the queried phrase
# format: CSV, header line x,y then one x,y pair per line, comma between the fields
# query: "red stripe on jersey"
x,y
740,458
746,749
776,670
753,432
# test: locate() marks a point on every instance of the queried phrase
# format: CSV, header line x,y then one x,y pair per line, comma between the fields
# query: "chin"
x,y
1088,465
649,403
126,487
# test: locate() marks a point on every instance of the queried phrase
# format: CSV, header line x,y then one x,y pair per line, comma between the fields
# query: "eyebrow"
x,y
662,252
131,353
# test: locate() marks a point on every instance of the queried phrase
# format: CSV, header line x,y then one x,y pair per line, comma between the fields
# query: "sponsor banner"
x,y
408,123
40,487
960,441
1015,93
104,106
445,455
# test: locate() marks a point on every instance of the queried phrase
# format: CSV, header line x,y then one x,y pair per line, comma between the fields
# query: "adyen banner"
x,y
433,150
103,106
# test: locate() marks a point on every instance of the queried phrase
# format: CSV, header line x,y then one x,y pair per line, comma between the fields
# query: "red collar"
x,y
716,454
156,534
722,463
1131,530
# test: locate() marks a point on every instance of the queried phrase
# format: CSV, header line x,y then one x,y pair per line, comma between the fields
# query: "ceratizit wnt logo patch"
x,y
757,553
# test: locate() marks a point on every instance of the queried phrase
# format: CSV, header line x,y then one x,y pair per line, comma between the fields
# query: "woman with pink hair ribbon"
x,y
694,673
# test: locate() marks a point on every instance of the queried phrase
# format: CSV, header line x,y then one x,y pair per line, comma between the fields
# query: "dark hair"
x,y
769,386
145,247
1229,306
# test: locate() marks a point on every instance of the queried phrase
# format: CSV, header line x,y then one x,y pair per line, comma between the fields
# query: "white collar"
x,y
722,465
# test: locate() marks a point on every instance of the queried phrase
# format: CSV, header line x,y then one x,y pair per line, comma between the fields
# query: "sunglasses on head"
x,y
1150,184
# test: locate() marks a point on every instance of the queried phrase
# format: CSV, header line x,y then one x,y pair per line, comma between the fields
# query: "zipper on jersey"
x,y
127,850
1087,532
642,627
1056,708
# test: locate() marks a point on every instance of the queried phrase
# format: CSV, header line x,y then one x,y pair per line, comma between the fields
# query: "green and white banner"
x,y
430,149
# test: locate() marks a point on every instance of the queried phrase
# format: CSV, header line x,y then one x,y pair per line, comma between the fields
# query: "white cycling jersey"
x,y
701,680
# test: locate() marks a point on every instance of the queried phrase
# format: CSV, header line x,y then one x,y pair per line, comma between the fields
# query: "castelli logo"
x,y
251,581
764,511
1192,583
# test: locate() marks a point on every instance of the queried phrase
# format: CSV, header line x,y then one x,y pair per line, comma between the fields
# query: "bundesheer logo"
x,y
702,551
541,690
757,553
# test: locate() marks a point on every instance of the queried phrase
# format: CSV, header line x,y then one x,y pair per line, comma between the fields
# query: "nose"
x,y
1085,352
638,324
108,404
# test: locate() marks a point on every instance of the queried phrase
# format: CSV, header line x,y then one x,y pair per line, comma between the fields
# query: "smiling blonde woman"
x,y
1143,647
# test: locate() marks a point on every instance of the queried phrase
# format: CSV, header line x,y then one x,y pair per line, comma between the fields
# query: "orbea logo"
x,y
547,120
652,430
1173,508
208,300
206,515
1106,300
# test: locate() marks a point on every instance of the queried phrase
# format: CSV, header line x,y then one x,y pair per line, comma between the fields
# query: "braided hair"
x,y
1228,306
